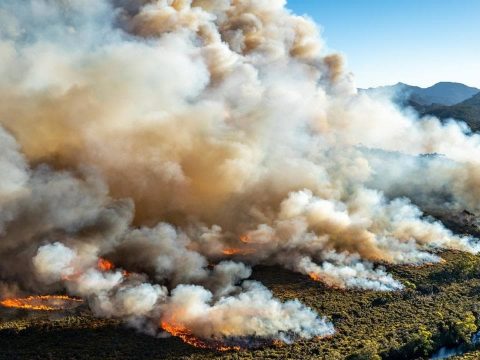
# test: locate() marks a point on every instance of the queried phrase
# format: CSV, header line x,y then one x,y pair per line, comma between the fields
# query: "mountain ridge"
x,y
467,111
442,93
445,100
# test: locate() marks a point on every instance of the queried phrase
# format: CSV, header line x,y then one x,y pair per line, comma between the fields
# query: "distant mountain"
x,y
443,93
445,100
468,111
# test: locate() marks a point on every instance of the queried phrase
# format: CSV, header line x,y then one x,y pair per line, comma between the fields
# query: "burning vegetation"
x,y
229,130
225,344
42,303
237,251
315,277
105,265
367,326
186,336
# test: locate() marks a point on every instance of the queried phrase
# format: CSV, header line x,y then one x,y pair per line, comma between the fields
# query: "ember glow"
x,y
235,251
181,133
231,252
105,265
325,279
186,336
315,277
42,303
245,239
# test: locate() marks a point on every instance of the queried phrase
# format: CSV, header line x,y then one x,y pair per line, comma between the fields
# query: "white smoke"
x,y
235,312
346,271
175,136
253,312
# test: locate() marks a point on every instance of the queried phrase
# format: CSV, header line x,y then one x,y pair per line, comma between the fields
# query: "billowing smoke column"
x,y
187,140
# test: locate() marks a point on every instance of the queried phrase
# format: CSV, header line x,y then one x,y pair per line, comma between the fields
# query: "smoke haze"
x,y
188,140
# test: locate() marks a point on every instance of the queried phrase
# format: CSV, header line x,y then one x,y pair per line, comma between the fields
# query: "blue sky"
x,y
419,42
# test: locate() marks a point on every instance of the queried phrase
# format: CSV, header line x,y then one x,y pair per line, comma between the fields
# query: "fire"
x,y
278,343
186,336
105,265
236,251
42,303
231,252
327,280
245,239
315,276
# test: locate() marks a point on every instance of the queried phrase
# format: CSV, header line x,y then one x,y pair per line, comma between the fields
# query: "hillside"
x,y
439,307
433,311
468,111
442,93
445,93
444,100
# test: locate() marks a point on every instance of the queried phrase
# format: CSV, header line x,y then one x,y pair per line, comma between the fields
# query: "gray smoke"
x,y
188,140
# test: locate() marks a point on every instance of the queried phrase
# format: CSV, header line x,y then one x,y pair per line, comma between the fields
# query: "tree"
x,y
464,329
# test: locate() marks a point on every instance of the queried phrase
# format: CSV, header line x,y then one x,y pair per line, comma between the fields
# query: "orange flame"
x,y
236,251
278,343
231,252
105,265
315,277
327,280
42,303
186,336
245,239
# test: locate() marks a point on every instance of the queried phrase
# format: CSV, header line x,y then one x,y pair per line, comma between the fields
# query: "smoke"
x,y
253,312
347,271
245,311
188,140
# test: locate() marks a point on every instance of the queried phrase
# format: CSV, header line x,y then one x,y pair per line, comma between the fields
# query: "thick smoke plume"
x,y
187,140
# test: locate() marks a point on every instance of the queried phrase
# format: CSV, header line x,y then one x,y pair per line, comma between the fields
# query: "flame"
x,y
231,252
186,336
245,239
327,280
42,303
237,251
315,277
278,343
125,273
105,265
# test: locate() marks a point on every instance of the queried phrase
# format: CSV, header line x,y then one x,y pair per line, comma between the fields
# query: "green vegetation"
x,y
468,111
475,355
440,306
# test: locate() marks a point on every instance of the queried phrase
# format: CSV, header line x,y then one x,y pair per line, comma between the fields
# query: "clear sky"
x,y
418,42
